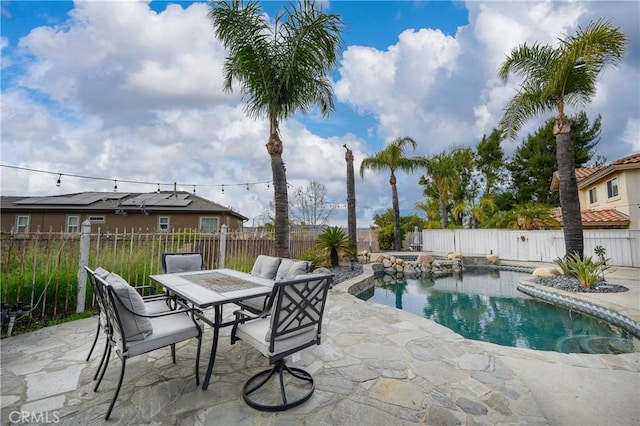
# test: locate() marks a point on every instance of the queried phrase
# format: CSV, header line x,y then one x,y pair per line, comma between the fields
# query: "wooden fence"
x,y
43,269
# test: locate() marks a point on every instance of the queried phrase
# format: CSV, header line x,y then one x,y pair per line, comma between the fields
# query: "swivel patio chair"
x,y
291,322
133,331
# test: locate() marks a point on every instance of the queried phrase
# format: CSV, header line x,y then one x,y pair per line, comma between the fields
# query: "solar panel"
x,y
158,200
83,199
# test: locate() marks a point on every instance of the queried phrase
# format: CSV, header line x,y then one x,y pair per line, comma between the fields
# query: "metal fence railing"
x,y
42,269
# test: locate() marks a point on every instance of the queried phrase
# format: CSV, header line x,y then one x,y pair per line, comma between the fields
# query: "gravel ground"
x,y
564,282
344,272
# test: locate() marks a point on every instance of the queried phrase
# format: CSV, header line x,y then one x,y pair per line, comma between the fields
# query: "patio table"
x,y
213,289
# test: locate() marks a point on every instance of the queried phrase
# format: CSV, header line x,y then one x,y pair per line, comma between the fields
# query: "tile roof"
x,y
631,159
585,172
592,218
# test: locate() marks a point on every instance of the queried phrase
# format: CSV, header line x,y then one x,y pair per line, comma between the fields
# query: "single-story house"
x,y
108,211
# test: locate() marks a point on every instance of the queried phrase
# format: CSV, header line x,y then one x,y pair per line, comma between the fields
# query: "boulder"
x,y
399,261
454,256
493,259
387,263
424,259
376,257
549,271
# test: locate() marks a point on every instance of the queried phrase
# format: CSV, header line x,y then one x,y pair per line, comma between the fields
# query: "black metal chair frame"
x,y
116,336
294,305
100,298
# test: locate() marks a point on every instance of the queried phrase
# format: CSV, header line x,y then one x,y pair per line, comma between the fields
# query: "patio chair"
x,y
173,263
292,322
153,304
133,331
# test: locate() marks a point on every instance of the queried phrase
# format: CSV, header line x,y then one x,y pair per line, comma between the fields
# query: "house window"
x,y
208,224
97,219
22,224
592,196
612,188
73,224
163,223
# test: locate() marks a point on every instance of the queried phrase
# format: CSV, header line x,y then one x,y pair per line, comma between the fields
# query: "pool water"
x,y
485,305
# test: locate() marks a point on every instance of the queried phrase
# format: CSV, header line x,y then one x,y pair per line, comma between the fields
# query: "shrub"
x,y
335,243
587,270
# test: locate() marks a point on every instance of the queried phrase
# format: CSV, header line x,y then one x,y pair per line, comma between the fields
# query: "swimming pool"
x,y
485,305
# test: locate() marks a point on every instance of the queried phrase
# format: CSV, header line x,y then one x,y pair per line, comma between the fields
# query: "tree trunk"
x,y
397,244
274,147
569,199
333,258
443,213
351,204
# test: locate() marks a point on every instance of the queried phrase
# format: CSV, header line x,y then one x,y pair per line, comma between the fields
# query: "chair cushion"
x,y
101,272
135,327
266,266
254,304
167,330
183,263
254,332
289,268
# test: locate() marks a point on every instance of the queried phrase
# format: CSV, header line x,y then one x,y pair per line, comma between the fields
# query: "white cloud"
x,y
123,92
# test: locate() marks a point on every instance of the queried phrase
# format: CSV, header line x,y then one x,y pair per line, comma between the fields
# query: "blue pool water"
x,y
485,305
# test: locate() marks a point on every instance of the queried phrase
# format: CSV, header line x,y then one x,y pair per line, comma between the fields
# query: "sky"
x,y
98,93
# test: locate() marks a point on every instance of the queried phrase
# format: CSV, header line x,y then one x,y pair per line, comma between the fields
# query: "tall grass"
x,y
40,269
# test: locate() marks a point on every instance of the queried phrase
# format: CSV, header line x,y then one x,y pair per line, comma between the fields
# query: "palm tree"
x,y
555,77
282,70
351,203
335,242
444,175
392,158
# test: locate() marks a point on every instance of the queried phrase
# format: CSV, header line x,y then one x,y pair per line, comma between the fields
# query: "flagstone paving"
x,y
376,366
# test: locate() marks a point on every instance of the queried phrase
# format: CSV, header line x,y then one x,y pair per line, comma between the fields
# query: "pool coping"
x,y
567,300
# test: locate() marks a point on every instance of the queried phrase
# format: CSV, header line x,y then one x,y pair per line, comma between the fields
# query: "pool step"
x,y
584,343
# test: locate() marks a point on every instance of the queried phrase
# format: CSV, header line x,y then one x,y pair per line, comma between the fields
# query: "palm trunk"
x,y
274,147
351,205
569,199
397,244
443,213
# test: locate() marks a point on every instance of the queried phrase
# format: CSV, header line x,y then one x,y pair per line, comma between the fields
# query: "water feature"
x,y
485,305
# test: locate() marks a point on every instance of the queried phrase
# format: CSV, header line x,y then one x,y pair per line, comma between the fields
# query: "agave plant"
x,y
587,270
335,243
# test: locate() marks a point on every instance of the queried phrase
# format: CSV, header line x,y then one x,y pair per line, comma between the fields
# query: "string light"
x,y
138,182
115,185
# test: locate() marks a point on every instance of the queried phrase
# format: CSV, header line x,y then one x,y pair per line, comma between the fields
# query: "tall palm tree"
x,y
282,69
553,78
351,204
392,158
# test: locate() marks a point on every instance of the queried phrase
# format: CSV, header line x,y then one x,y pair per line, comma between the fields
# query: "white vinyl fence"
x,y
622,246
